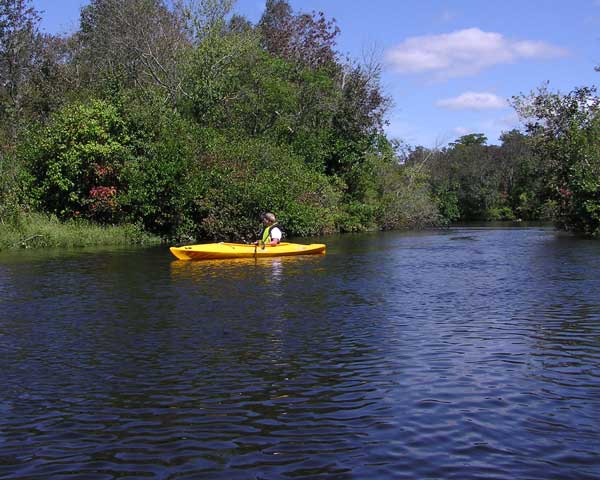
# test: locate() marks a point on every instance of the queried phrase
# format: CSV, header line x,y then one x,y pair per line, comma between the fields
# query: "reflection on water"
x,y
467,353
241,268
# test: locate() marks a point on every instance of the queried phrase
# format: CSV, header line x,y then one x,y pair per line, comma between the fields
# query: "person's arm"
x,y
275,237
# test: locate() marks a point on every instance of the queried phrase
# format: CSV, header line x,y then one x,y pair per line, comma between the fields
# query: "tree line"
x,y
188,120
549,171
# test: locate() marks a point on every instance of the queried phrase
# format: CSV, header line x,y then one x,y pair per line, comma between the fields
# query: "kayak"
x,y
209,251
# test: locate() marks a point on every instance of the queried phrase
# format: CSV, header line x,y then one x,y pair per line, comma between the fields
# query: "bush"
x,y
500,213
12,189
77,159
161,182
564,130
406,200
355,216
447,203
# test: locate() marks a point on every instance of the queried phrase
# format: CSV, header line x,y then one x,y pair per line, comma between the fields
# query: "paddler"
x,y
271,233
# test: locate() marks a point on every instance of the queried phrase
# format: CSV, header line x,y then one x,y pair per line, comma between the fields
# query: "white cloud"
x,y
473,101
464,52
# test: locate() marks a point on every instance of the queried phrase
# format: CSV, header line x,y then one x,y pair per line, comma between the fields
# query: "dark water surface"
x,y
459,354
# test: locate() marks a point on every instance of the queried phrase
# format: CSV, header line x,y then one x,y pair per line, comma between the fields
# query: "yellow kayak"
x,y
209,251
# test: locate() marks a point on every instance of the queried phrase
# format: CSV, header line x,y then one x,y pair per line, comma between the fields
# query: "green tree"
x,y
521,173
564,130
214,75
469,179
134,43
247,176
205,18
19,44
162,182
192,121
75,161
405,198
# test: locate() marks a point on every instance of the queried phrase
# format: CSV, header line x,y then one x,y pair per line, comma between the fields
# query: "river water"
x,y
468,353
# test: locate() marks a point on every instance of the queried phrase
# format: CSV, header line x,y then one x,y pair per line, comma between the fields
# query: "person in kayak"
x,y
271,233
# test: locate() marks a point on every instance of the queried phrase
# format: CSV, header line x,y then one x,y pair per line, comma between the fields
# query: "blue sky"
x,y
449,66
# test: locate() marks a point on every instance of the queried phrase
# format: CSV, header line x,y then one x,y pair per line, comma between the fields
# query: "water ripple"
x,y
472,353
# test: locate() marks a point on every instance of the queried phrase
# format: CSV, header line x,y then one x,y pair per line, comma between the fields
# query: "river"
x,y
467,353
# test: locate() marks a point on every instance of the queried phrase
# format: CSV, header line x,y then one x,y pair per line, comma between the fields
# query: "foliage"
x,y
19,42
308,39
355,216
464,178
189,122
213,77
49,84
205,18
161,181
12,188
136,43
242,183
75,161
564,130
521,183
403,192
388,193
475,181
446,199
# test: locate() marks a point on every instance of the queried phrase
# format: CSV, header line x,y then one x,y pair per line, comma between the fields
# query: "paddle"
x,y
262,247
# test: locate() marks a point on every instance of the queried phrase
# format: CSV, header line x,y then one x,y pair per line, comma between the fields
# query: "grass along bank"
x,y
37,230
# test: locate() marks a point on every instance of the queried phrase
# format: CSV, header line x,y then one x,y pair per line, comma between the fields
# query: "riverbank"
x,y
40,231
36,230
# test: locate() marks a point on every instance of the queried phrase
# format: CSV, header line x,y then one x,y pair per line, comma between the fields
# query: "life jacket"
x,y
265,235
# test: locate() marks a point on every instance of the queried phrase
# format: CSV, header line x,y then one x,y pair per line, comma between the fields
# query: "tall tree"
x,y
137,42
19,46
565,131
204,17
306,38
521,175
